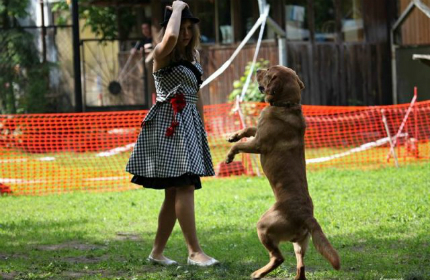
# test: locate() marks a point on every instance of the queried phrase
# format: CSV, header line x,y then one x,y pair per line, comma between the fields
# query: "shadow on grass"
x,y
51,250
28,233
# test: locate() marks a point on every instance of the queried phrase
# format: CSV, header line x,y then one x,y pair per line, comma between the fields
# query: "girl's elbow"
x,y
171,37
165,47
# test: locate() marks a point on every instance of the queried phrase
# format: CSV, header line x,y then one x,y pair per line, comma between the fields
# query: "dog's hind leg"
x,y
300,250
272,245
276,258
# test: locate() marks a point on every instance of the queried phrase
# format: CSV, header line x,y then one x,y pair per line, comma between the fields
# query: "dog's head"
x,y
280,84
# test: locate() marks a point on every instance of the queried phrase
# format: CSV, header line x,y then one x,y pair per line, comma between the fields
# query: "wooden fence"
x,y
333,73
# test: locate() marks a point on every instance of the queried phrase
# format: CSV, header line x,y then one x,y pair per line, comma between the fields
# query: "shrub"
x,y
23,77
252,93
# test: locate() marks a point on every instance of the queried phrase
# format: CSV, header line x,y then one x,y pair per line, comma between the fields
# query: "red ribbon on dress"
x,y
178,104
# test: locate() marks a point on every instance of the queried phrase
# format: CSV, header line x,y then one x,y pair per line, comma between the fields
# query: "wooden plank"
x,y
415,30
333,74
375,20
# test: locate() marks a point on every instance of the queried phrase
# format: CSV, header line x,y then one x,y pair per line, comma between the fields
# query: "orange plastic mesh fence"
x,y
56,153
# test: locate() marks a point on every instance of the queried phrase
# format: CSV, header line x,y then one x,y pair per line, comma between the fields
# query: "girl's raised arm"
x,y
165,47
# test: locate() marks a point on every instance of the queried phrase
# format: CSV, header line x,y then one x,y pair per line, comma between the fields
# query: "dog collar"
x,y
286,104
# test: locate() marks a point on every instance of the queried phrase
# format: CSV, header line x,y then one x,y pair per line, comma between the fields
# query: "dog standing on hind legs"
x,y
279,139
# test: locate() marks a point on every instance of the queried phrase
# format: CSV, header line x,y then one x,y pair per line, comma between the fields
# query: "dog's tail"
x,y
322,244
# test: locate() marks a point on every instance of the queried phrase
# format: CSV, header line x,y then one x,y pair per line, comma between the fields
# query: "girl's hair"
x,y
190,49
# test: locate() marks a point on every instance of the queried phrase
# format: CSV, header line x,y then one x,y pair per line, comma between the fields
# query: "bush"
x,y
23,77
252,93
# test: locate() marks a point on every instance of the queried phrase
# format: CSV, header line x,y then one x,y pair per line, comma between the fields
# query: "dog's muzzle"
x,y
261,89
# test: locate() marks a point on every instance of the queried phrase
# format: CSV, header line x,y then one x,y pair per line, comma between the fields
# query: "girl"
x,y
172,152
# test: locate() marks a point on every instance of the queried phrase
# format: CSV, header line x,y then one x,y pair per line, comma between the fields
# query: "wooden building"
x,y
416,29
412,38
339,48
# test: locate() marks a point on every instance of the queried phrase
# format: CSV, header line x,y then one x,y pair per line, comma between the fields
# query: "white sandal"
x,y
165,262
210,262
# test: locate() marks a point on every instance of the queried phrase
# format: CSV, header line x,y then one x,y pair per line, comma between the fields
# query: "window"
x,y
352,20
248,17
325,21
215,20
205,11
296,20
224,21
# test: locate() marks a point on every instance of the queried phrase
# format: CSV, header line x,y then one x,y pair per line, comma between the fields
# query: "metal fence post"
x,y
76,57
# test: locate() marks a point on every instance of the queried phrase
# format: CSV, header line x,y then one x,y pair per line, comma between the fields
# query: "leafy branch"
x,y
252,92
108,23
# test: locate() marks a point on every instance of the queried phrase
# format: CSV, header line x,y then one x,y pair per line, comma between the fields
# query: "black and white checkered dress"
x,y
157,160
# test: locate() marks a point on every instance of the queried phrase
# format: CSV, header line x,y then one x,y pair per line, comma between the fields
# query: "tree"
x,y
252,92
23,77
109,23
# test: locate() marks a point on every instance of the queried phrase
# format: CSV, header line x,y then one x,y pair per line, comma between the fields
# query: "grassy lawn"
x,y
378,220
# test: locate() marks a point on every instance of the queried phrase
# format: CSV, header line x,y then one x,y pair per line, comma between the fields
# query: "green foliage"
x,y
14,8
23,77
34,100
252,93
101,20
106,22
63,12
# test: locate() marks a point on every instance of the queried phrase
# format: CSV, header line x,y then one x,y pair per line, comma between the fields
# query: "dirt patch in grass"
x,y
16,256
8,276
128,236
79,274
4,256
84,259
358,248
74,245
107,273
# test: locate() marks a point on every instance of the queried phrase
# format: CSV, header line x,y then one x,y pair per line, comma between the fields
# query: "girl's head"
x,y
188,41
189,35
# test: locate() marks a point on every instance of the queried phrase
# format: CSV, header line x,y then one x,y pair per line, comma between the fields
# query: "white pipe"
x,y
233,56
392,150
257,49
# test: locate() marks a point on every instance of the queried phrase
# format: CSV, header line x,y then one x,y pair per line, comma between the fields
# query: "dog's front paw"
x,y
233,138
230,156
229,159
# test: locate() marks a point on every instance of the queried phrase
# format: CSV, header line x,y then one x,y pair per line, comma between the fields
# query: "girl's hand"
x,y
177,5
170,38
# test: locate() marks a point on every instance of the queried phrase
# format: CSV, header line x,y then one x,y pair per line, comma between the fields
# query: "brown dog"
x,y
279,139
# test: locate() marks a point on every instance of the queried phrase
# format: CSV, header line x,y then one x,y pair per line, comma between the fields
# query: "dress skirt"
x,y
165,183
172,148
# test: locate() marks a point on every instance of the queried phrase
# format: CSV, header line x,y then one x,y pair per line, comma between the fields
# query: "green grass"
x,y
378,220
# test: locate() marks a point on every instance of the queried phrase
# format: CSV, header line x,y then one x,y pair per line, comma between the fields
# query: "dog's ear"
x,y
301,84
273,85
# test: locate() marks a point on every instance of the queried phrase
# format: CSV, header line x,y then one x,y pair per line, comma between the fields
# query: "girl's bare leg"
x,y
184,207
166,222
